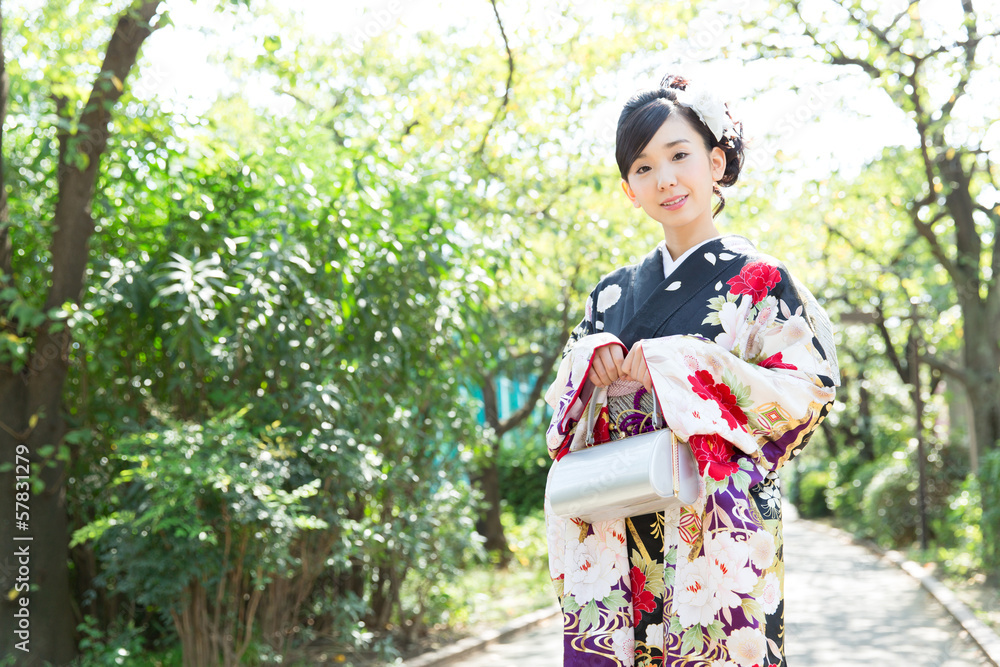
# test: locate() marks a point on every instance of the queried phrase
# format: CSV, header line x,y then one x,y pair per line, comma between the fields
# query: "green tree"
x,y
35,361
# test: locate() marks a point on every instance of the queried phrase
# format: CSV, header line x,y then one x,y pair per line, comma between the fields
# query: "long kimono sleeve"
x,y
763,384
569,392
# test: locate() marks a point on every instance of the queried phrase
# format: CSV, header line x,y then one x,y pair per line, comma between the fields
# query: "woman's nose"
x,y
666,177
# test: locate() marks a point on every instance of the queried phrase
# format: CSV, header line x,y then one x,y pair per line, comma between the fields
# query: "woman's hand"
x,y
607,365
634,367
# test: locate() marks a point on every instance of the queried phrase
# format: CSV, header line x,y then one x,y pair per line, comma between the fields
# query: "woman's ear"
x,y
718,163
628,193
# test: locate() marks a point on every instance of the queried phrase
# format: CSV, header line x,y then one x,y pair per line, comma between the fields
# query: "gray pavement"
x,y
843,606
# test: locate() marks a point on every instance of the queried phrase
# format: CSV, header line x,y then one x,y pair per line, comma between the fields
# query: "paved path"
x,y
843,606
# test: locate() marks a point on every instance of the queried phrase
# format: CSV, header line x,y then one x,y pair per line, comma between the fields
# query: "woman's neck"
x,y
679,241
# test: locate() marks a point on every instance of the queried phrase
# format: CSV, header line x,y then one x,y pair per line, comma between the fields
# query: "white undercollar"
x,y
669,264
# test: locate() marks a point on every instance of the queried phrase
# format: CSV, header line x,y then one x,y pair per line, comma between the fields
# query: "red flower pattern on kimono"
x,y
715,453
705,386
755,279
642,600
602,427
775,361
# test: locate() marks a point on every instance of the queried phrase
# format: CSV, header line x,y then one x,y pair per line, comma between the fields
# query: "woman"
x,y
741,360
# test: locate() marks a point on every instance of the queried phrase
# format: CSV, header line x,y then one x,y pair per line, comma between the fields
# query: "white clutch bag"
x,y
644,473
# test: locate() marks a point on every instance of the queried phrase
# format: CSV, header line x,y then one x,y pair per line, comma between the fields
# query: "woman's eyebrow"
x,y
669,144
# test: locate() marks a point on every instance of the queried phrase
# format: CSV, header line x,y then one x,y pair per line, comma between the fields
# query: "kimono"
x,y
742,363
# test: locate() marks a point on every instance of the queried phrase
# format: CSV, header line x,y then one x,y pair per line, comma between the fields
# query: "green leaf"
x,y
713,486
753,610
740,390
741,480
670,558
570,604
98,527
615,600
79,436
716,632
692,640
589,616
669,576
675,625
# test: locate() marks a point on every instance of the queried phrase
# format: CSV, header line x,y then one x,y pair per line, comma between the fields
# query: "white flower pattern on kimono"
x,y
611,539
591,571
771,595
729,569
655,636
694,595
734,320
770,495
747,646
623,639
762,549
794,330
608,297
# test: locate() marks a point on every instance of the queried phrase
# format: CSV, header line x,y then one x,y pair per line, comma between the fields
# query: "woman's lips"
x,y
677,203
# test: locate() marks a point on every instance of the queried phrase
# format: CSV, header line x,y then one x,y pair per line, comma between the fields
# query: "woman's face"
x,y
672,178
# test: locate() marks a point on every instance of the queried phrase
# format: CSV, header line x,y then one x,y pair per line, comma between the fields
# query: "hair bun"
x,y
674,81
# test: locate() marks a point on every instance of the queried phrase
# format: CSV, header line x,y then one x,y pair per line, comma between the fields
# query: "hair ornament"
x,y
709,107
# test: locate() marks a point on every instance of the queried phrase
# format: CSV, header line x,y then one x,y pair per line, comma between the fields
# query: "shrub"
x,y
845,496
522,482
811,493
963,528
989,469
206,518
889,506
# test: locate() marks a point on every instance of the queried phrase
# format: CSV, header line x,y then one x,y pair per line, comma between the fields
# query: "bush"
x,y
811,494
889,506
205,520
963,529
845,496
989,469
522,482
119,646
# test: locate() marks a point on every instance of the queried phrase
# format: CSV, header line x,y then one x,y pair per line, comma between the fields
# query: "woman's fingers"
x,y
635,366
618,359
606,367
597,375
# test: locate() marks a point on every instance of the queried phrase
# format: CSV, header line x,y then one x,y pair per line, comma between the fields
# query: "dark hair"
x,y
646,111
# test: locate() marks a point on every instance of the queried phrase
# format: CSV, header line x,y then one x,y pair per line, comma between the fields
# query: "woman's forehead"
x,y
674,130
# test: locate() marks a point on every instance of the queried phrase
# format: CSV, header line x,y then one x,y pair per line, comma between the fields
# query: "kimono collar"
x,y
654,268
669,263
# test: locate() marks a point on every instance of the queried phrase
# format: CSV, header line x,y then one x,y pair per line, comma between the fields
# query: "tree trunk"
x,y
31,410
982,364
489,524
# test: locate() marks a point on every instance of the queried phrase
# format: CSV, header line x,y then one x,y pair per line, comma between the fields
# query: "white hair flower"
x,y
709,107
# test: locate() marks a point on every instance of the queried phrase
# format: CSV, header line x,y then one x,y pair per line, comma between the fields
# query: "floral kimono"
x,y
742,363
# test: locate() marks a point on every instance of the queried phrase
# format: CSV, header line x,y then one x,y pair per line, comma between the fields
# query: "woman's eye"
x,y
642,169
680,155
